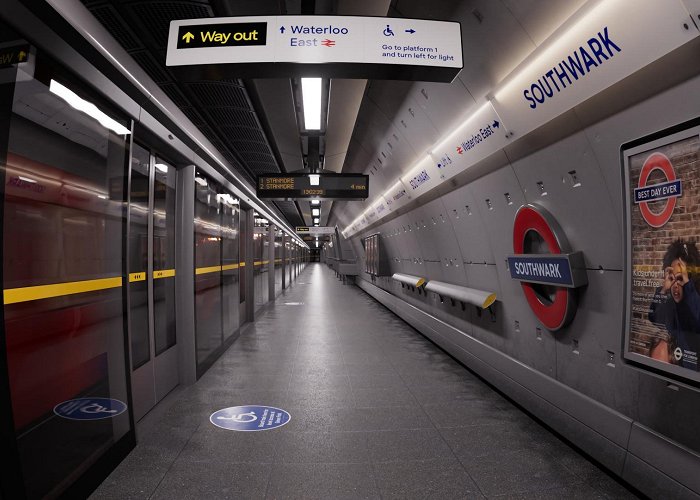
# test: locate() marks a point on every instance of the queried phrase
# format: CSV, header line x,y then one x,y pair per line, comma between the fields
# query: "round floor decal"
x,y
89,408
250,418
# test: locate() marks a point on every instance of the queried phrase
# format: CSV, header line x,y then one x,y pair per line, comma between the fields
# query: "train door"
x,y
152,279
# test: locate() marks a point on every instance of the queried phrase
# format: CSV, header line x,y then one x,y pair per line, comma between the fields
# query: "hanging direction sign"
x,y
349,46
315,230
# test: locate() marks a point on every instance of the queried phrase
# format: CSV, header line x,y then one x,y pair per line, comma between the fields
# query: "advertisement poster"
x,y
663,229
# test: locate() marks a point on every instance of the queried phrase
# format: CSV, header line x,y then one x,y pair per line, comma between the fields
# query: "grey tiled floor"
x,y
377,412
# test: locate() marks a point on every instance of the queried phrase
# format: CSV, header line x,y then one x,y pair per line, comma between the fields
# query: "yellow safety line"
x,y
205,270
229,267
163,273
25,294
241,264
137,276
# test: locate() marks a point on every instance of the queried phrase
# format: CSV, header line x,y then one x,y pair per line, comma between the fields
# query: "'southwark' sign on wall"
x,y
534,230
545,269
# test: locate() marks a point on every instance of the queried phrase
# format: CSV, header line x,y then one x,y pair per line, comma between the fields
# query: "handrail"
x,y
408,279
473,296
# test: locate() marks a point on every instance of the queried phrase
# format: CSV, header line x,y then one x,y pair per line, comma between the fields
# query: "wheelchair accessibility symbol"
x,y
387,31
250,418
89,408
242,417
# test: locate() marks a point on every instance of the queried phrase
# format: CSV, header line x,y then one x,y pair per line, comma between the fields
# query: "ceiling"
x,y
376,127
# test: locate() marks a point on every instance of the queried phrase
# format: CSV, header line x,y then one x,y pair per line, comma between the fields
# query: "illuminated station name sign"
x,y
321,186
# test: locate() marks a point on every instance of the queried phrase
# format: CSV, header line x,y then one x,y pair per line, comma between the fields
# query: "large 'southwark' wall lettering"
x,y
577,65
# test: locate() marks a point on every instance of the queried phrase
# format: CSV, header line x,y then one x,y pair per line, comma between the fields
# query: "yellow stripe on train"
x,y
25,294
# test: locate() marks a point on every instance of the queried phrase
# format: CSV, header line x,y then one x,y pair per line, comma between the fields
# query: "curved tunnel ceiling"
x,y
380,128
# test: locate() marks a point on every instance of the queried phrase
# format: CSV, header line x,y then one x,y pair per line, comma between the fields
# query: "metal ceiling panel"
x,y
486,62
220,93
540,18
154,69
155,16
120,30
343,107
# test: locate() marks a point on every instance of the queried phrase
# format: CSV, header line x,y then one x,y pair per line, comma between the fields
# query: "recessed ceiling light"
x,y
311,98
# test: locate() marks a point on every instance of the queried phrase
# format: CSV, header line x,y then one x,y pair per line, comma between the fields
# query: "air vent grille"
x,y
156,16
154,70
194,117
223,93
262,167
257,157
244,134
175,95
289,211
233,116
113,22
250,147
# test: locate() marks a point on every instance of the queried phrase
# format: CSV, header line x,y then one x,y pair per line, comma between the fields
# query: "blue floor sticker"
x,y
89,408
250,418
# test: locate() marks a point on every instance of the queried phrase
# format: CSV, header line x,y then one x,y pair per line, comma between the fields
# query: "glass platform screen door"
x,y
152,279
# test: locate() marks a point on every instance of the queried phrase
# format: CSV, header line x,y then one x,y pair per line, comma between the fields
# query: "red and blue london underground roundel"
x,y
645,193
560,268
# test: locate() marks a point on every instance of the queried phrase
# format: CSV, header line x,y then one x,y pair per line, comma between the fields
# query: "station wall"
x,y
463,236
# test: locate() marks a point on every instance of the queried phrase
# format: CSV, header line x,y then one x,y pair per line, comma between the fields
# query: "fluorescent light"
x,y
101,196
200,181
311,98
316,212
77,102
314,179
26,179
316,219
163,168
315,202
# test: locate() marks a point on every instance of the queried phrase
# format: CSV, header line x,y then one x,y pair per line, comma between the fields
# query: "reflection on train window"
x,y
138,256
163,255
216,255
260,257
63,225
207,256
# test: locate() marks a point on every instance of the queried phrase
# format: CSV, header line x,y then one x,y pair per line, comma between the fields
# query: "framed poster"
x,y
662,272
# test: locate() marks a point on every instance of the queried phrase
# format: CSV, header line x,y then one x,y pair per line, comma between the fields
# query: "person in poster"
x,y
676,306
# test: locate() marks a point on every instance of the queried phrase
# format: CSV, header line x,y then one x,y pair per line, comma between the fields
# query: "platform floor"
x,y
377,411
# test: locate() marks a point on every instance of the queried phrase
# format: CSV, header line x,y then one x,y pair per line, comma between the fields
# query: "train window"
x,y
207,256
138,256
164,179
63,225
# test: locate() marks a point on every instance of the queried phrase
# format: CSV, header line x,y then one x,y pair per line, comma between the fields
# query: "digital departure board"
x,y
322,186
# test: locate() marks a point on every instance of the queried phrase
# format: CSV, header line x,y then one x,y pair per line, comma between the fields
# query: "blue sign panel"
x,y
89,408
552,269
250,418
658,191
